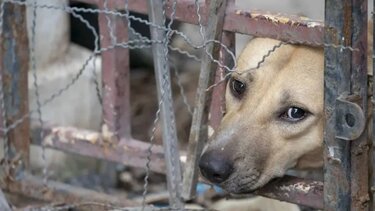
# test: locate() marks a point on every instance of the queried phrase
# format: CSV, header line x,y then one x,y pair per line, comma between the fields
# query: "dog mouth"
x,y
246,182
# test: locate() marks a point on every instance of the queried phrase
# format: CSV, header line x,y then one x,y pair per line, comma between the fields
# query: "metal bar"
x,y
336,162
258,23
218,93
14,67
346,162
198,132
295,190
93,144
115,75
217,108
360,155
34,187
163,81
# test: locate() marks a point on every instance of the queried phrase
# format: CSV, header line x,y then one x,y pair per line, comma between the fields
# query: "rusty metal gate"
x,y
347,149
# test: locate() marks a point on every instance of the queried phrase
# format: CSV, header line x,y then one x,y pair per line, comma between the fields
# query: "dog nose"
x,y
215,167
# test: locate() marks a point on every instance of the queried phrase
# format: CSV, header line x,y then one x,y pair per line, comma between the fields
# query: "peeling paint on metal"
x,y
296,187
106,133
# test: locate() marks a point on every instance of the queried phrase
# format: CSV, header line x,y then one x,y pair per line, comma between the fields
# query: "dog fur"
x,y
255,136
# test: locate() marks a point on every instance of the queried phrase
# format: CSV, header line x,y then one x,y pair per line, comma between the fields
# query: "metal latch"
x,y
350,119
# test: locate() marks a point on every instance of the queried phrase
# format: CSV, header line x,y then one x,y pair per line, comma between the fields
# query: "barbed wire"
x,y
36,91
182,89
149,153
110,25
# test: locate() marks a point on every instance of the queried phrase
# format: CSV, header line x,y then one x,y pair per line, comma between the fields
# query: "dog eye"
x,y
294,114
237,87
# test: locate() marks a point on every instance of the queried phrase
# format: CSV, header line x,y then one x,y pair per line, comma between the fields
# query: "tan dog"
x,y
274,120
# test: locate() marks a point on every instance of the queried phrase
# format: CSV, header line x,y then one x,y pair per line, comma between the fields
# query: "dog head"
x,y
274,119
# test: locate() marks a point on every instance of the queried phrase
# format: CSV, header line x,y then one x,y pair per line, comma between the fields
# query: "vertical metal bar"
x,y
336,152
14,66
170,143
198,133
345,80
115,83
217,108
360,154
115,75
218,93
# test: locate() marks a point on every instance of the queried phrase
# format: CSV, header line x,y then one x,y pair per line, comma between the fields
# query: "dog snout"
x,y
215,166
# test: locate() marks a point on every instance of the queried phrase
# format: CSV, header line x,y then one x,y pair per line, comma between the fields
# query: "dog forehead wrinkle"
x,y
287,100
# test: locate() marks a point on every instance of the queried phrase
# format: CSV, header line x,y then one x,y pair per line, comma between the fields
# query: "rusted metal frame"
x,y
34,187
289,28
93,144
199,126
115,75
276,186
163,82
14,66
91,197
346,151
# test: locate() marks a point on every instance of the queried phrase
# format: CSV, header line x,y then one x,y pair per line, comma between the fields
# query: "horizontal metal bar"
x,y
290,28
129,152
34,187
292,189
